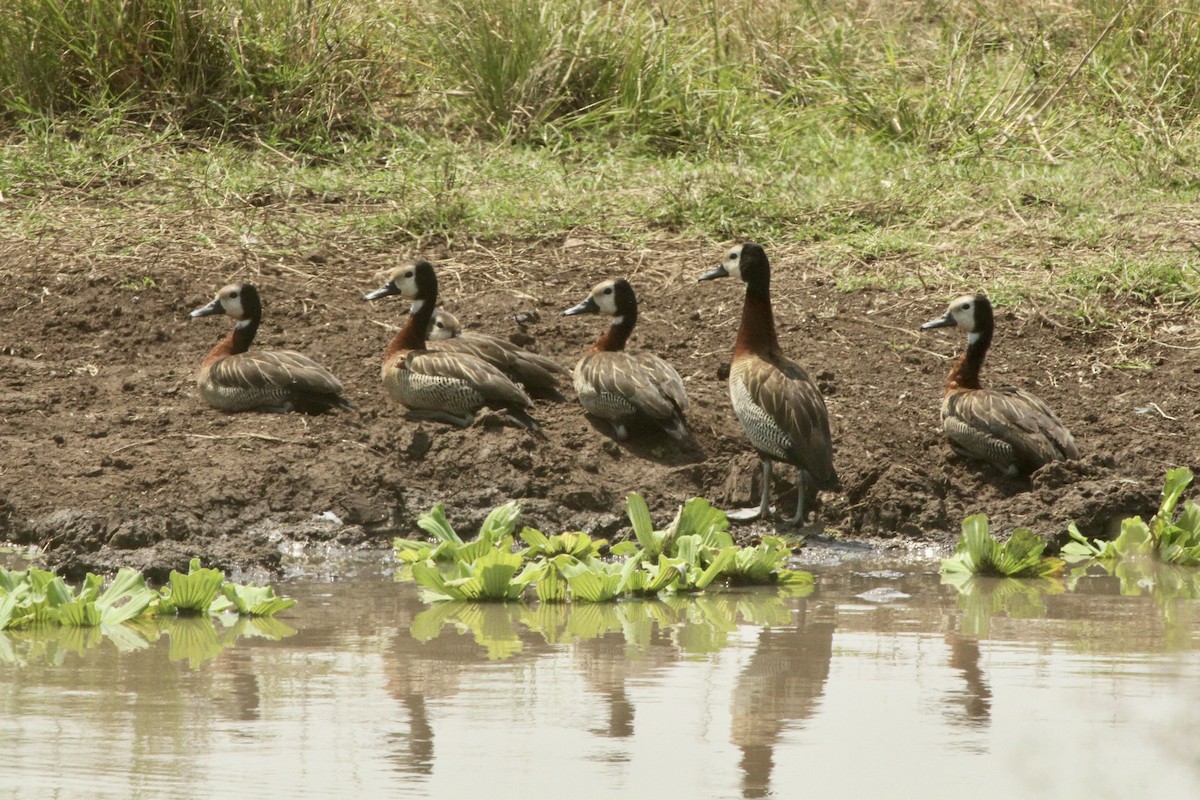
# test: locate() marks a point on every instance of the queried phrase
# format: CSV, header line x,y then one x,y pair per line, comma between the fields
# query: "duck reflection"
x,y
971,705
781,685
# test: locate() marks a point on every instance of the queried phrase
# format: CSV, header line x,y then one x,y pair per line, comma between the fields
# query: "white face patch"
x,y
733,262
606,298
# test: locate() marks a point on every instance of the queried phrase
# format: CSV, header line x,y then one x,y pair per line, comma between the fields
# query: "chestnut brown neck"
x,y
236,342
617,334
964,375
757,332
412,335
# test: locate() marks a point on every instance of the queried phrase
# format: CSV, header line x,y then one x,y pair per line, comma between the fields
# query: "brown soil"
x,y
108,456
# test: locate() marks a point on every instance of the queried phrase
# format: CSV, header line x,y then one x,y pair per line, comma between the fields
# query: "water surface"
x,y
882,682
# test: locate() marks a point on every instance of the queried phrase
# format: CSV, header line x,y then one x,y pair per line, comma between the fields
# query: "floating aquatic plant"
x,y
193,593
694,553
979,553
38,597
1175,539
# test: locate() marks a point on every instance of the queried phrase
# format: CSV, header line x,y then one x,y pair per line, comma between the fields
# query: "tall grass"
x,y
297,68
952,77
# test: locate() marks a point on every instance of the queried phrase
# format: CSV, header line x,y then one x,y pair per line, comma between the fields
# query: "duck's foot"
x,y
747,514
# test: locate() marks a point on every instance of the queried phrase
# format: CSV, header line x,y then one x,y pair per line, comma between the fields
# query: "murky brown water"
x,y
1008,691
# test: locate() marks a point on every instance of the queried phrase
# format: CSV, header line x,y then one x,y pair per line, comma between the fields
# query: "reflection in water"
x,y
971,705
782,684
739,694
192,639
981,598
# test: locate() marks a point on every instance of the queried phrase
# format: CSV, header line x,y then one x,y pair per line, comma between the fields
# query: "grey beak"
x,y
214,307
946,321
588,306
387,290
712,274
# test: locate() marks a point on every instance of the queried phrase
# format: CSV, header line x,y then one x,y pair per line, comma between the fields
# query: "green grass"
x,y
1030,149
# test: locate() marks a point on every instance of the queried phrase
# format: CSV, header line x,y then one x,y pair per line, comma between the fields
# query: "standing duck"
x,y
779,406
446,386
538,374
623,388
232,379
1006,427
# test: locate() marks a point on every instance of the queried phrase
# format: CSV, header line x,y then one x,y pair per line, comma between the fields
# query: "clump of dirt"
x,y
110,457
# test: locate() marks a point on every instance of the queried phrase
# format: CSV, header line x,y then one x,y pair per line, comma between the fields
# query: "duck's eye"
x,y
608,290
966,306
408,274
441,325
733,255
233,295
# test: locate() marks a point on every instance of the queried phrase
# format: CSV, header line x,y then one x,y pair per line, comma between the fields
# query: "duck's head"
x,y
971,312
415,281
237,300
613,298
444,325
747,261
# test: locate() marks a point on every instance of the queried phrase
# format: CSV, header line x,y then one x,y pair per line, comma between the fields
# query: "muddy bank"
x,y
110,457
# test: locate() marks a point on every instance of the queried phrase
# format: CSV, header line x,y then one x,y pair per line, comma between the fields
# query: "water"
x,y
882,682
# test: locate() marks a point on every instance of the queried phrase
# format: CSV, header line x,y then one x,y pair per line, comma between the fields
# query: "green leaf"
x,y
1177,480
495,572
78,613
717,569
194,592
698,517
551,588
643,526
255,601
126,597
500,522
435,524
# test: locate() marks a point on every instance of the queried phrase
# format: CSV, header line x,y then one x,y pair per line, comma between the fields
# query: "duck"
x,y
232,379
537,374
441,385
1006,427
779,406
628,390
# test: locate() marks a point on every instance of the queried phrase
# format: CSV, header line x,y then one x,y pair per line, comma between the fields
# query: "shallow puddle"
x,y
882,682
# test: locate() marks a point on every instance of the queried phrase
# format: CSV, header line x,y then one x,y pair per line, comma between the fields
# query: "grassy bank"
x,y
1044,150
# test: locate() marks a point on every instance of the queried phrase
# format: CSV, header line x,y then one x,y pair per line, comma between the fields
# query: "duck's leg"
x,y
799,518
764,507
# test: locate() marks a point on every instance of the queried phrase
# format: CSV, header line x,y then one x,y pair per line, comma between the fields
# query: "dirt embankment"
x,y
110,457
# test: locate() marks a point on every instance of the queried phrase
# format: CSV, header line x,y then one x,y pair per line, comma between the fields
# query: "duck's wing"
x,y
792,401
283,369
621,374
1016,417
492,384
483,348
666,378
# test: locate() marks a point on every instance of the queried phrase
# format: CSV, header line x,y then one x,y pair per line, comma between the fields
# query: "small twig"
x,y
1155,407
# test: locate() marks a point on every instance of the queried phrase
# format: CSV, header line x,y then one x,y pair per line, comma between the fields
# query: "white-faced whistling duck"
x,y
232,379
779,406
1006,427
538,374
626,389
445,386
